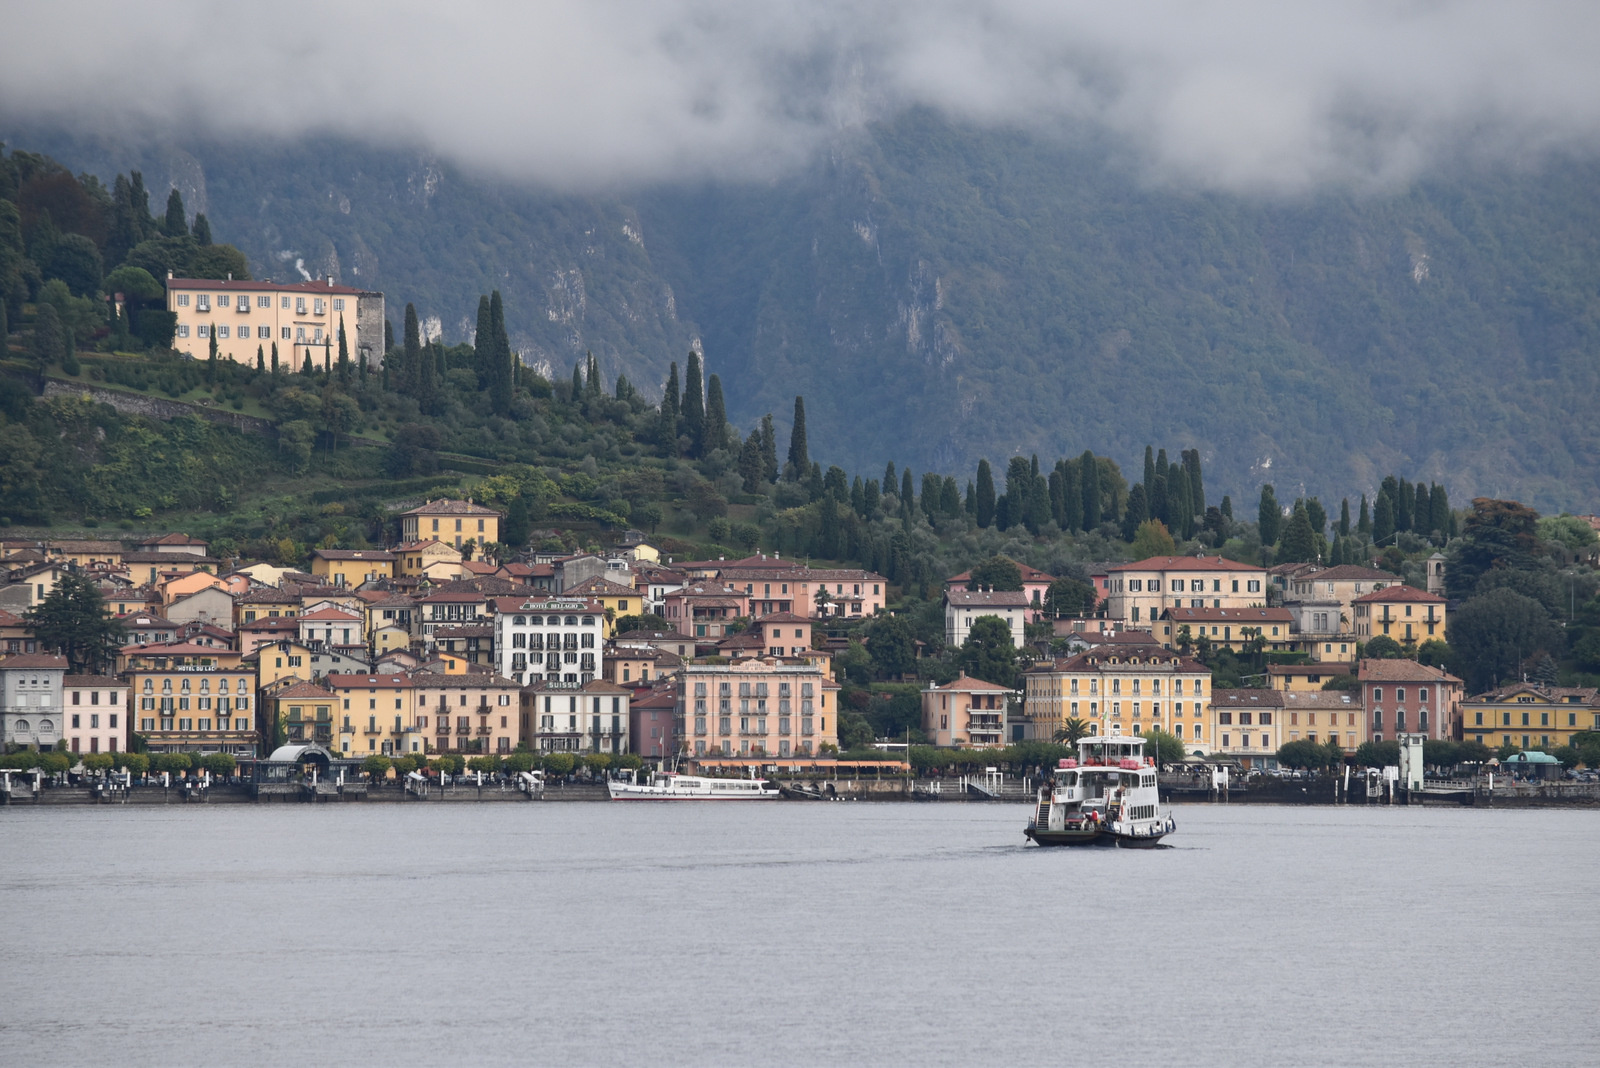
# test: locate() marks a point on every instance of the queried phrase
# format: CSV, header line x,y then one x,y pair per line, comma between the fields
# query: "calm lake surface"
x,y
793,934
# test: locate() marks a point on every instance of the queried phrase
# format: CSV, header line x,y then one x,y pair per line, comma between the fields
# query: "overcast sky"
x,y
1242,95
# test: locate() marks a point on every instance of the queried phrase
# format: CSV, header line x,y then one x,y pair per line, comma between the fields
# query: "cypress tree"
x,y
1136,514
1403,503
1160,503
1344,518
274,357
1178,503
799,457
365,370
1072,495
769,449
971,501
1317,515
306,368
139,202
671,408
1383,518
577,382
344,355
1299,544
1058,503
410,370
202,230
593,387
5,331
1090,471
1149,472
1439,510
482,342
891,481
932,491
716,416
175,224
211,356
858,497
985,495
750,462
1269,518
908,491
1227,507
261,358
1197,486
869,497
694,406
1364,523
950,497
388,338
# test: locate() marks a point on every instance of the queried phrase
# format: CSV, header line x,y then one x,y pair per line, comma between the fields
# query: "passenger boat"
x,y
670,786
1108,796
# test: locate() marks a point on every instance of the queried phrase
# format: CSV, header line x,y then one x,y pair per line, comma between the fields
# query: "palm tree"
x,y
1071,731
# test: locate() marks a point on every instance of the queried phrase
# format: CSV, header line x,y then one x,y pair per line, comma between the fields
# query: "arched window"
x,y
572,621
205,685
166,685
185,686
521,621
222,686
149,685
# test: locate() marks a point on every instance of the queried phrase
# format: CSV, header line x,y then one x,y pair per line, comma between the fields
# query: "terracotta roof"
x,y
1230,615
174,539
1029,574
1247,698
471,681
351,681
304,690
272,623
450,507
167,558
354,554
464,630
327,613
1399,593
543,602
600,586
267,595
141,620
962,684
988,598
1585,694
318,286
782,617
8,619
1318,699
85,546
103,681
1186,563
1351,573
1327,667
421,544
1401,671
34,662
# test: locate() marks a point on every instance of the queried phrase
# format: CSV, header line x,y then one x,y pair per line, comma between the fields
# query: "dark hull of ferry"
x,y
1092,837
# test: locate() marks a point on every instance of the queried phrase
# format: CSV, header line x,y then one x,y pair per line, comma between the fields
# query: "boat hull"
x,y
1095,836
647,794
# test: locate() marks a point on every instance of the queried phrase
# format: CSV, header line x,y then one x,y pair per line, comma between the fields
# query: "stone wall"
x,y
156,407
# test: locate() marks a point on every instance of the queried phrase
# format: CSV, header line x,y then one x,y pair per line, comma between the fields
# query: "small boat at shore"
x,y
1108,796
670,786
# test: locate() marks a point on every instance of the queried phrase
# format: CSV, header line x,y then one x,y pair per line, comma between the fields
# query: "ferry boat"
x,y
670,786
1108,796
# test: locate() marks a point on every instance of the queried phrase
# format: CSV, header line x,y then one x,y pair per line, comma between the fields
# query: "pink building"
x,y
95,708
965,712
704,609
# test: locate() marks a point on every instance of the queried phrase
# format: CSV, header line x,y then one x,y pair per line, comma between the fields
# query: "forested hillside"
x,y
941,294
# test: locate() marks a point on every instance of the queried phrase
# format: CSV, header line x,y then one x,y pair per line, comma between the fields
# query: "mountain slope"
x,y
941,293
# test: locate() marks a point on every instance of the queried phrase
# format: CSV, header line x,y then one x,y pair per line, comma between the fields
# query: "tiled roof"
x,y
1185,563
449,507
327,613
1319,699
102,681
1399,593
987,598
1401,671
34,662
1350,573
1230,615
962,684
1246,698
318,286
354,554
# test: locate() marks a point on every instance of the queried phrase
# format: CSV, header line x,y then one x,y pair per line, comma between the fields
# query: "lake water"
x,y
793,934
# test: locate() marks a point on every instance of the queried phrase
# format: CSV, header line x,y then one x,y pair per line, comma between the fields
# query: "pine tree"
x,y
1090,470
694,406
799,459
1269,518
344,355
716,416
202,230
175,225
769,449
985,497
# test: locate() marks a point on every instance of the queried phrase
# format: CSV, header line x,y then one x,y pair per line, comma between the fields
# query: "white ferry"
x,y
1108,796
670,786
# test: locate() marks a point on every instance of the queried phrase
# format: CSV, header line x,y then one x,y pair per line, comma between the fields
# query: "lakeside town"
x,y
427,657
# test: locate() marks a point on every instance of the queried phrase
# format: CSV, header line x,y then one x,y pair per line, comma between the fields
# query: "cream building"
x,y
1131,688
301,318
1140,592
760,706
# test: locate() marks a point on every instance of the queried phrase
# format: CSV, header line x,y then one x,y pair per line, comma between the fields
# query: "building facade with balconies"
x,y
30,700
569,717
758,706
965,712
1116,687
548,639
1403,613
1140,592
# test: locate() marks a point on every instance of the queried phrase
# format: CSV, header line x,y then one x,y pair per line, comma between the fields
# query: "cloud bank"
x,y
1237,95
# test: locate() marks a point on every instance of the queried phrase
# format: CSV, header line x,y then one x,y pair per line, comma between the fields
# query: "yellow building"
x,y
1324,716
264,602
1530,716
301,318
351,567
375,714
472,713
186,702
429,558
453,522
1228,628
1248,725
1403,613
1130,688
1305,678
303,712
85,553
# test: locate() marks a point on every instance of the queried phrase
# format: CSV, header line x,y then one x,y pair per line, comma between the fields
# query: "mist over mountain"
x,y
941,290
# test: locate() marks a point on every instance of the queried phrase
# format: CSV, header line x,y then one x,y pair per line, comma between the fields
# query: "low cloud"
x,y
1237,95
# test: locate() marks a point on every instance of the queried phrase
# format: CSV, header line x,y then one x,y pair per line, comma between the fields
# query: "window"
x,y
338,304
183,300
299,333
183,330
1377,693
222,300
263,302
222,331
263,332
1254,586
285,304
202,330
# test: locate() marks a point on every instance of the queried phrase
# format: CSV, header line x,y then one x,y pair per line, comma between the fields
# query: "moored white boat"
x,y
1108,796
670,786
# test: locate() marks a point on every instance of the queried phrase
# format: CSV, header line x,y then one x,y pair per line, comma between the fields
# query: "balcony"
x,y
243,307
443,728
485,730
